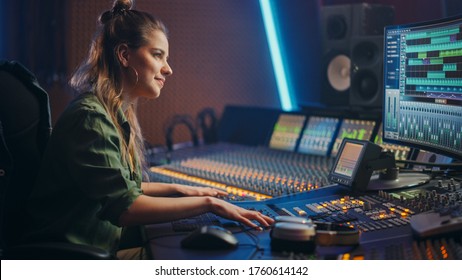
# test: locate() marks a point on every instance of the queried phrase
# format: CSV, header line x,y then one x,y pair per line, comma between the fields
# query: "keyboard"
x,y
193,223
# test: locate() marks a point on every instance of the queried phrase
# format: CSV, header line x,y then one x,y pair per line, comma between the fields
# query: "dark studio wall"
x,y
216,55
405,11
218,50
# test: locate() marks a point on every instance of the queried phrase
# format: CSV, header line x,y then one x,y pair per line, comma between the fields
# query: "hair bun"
x,y
120,7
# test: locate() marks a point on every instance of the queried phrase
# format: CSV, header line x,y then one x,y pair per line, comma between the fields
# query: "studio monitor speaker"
x,y
366,88
336,33
339,25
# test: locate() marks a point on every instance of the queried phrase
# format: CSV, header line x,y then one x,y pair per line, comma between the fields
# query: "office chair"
x,y
25,127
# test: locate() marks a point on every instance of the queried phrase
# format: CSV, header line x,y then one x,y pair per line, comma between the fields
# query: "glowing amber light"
x,y
444,252
392,209
346,256
403,214
429,254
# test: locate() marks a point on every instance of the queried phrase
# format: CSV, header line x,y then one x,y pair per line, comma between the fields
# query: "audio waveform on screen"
x,y
433,66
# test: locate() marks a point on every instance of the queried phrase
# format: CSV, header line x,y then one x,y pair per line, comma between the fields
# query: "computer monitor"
x,y
318,135
353,129
423,86
286,132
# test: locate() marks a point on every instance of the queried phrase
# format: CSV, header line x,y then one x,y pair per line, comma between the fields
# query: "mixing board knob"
x,y
428,207
419,206
367,206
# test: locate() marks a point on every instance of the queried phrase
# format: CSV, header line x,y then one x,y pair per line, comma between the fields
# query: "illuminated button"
x,y
300,211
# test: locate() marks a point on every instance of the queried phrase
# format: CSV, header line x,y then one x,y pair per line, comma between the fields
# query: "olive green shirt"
x,y
84,184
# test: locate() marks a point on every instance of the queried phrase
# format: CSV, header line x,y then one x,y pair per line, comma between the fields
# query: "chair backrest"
x,y
25,127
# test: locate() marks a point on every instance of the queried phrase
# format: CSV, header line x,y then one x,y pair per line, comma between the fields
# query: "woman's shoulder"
x,y
86,102
84,108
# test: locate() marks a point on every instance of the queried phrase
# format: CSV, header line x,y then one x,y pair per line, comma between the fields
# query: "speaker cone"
x,y
365,84
338,72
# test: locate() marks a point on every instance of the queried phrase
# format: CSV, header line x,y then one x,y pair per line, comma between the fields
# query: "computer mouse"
x,y
210,238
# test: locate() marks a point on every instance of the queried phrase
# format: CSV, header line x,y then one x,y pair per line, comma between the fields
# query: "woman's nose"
x,y
167,70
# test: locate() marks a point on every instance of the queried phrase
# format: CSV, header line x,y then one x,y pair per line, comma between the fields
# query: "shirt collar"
x,y
122,119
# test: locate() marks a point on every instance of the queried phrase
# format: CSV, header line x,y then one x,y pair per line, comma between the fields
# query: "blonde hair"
x,y
101,72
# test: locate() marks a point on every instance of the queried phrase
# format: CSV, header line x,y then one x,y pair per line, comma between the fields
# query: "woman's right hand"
x,y
234,212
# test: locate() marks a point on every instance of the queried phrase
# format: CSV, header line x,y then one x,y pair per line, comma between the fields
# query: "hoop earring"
x,y
136,74
136,82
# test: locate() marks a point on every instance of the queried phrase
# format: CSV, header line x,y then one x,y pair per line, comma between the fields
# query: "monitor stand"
x,y
404,180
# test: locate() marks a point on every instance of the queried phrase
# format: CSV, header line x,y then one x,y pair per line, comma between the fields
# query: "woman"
x,y
90,184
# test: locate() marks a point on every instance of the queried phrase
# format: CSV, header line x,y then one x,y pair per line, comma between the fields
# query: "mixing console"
x,y
249,173
384,220
290,179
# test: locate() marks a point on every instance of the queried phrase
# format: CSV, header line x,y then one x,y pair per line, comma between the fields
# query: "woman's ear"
x,y
122,52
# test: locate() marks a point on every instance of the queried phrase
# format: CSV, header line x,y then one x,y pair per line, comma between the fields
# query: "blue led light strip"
x,y
276,56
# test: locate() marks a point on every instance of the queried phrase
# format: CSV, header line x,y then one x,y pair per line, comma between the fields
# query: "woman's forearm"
x,y
150,210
